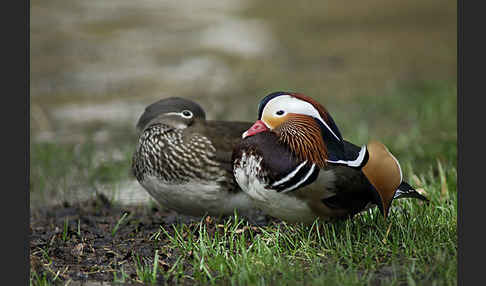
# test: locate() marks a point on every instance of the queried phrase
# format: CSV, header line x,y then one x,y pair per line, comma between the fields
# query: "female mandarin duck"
x,y
184,161
295,165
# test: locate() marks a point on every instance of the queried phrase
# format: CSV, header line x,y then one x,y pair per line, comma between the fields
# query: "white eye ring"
x,y
186,114
280,113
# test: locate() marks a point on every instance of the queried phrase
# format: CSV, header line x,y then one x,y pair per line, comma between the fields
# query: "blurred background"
x,y
385,69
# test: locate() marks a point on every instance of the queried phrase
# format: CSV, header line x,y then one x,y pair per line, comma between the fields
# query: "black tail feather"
x,y
407,191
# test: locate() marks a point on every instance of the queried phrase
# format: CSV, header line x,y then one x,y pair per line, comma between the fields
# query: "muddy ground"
x,y
77,241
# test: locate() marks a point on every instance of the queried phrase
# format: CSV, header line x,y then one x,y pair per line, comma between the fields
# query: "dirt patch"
x,y
82,242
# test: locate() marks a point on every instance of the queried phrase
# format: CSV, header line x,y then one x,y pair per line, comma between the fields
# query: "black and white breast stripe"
x,y
358,162
303,174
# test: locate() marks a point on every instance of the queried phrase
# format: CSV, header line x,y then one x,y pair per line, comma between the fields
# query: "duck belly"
x,y
196,198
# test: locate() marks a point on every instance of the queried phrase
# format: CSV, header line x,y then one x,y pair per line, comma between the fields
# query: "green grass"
x,y
416,245
64,170
147,271
118,223
39,279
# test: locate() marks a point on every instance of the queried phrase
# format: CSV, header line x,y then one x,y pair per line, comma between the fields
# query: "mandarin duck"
x,y
295,165
184,161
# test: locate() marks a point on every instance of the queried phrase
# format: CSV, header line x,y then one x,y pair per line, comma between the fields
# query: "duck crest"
x,y
326,117
165,105
322,112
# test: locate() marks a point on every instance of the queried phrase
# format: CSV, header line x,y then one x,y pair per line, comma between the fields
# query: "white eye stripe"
x,y
294,105
185,113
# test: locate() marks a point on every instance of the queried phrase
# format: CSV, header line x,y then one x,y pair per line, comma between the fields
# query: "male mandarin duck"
x,y
295,165
184,161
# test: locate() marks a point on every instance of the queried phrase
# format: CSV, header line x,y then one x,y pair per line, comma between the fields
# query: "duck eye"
x,y
186,114
280,112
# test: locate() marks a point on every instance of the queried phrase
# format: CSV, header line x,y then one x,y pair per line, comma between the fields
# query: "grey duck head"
x,y
173,146
173,111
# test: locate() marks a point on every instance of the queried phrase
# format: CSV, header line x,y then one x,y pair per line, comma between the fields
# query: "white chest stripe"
x,y
290,175
356,162
301,181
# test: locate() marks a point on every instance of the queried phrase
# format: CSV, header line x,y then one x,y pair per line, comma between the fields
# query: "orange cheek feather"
x,y
274,122
303,135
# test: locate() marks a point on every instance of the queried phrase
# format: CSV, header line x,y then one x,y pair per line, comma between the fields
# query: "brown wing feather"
x,y
225,135
384,173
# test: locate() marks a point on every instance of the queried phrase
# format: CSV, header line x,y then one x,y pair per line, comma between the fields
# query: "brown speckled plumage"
x,y
184,160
